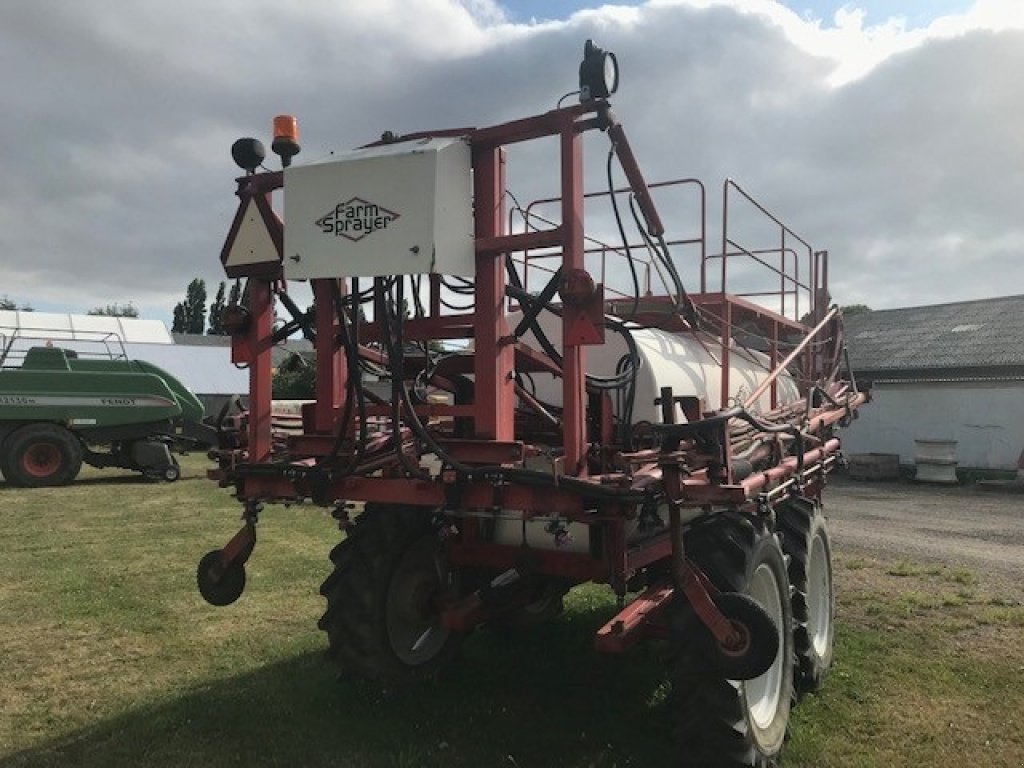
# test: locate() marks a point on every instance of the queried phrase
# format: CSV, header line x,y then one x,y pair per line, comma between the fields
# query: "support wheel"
x,y
756,643
725,721
805,539
220,585
384,598
40,455
172,472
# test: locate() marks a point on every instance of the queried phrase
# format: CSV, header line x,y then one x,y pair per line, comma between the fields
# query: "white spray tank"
x,y
686,362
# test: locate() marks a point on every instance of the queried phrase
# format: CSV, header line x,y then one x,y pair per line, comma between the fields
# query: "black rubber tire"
x,y
41,455
759,632
805,538
717,722
387,574
172,472
222,589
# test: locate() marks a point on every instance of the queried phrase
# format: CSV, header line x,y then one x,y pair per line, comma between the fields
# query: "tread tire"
x,y
61,445
804,534
385,540
716,724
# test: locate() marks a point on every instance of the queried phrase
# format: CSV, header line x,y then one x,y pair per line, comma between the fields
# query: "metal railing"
x,y
800,272
102,345
608,255
790,252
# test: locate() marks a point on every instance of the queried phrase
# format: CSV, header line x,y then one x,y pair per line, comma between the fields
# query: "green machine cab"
x,y
58,410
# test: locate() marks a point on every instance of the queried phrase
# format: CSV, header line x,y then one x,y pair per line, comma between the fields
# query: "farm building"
x,y
948,372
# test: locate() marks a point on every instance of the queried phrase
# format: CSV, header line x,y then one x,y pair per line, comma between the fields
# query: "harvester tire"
x,y
805,540
725,722
40,455
382,619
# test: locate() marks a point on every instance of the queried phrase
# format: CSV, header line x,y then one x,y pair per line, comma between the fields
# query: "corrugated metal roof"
x,y
201,340
988,333
279,354
204,370
57,326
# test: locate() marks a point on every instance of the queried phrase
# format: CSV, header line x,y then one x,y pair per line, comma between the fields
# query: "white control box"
x,y
396,209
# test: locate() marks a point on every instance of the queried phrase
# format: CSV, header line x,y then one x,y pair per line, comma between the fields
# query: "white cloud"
x,y
896,148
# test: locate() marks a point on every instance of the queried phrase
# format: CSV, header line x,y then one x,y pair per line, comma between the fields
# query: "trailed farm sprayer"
x,y
541,428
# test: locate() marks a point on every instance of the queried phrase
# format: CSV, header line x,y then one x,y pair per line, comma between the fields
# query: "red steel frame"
x,y
588,492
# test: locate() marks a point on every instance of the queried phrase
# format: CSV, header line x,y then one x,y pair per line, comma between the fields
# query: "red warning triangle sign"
x,y
254,244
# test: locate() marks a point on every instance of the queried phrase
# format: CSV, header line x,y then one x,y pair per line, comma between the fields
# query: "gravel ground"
x,y
968,527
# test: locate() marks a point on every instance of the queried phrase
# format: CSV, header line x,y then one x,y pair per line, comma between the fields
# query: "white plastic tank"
x,y
688,364
681,361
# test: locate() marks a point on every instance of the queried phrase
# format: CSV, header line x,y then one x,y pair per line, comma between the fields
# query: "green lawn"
x,y
109,657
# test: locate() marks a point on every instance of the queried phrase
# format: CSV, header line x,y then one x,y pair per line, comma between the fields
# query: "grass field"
x,y
109,657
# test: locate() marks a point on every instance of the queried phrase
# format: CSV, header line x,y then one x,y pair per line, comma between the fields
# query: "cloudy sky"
x,y
890,133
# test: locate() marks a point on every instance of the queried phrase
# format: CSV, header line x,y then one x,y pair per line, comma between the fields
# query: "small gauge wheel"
x,y
219,584
755,637
172,473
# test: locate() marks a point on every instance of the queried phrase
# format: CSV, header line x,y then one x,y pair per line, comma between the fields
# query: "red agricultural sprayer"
x,y
519,407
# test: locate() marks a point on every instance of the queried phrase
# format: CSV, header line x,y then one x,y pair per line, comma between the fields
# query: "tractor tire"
x,y
41,455
723,722
805,540
382,621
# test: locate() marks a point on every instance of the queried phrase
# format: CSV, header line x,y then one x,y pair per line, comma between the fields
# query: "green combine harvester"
x,y
59,408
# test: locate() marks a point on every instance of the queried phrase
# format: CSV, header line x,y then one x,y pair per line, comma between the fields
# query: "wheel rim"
x,y
763,694
411,616
819,597
41,460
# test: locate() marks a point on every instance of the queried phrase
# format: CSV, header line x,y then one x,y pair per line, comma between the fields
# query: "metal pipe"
x,y
636,178
789,358
536,406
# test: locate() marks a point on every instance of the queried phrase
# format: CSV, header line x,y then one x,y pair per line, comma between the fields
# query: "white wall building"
x,y
944,372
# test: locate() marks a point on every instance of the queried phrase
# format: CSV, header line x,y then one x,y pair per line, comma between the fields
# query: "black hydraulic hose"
x,y
516,290
622,232
528,477
681,300
353,393
300,318
354,373
597,382
677,432
849,369
524,476
391,333
532,310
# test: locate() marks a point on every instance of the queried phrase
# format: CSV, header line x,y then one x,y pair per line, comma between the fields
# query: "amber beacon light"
x,y
286,138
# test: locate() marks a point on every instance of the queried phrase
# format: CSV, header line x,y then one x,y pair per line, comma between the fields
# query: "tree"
x,y
11,305
295,379
216,310
190,314
178,324
116,310
855,309
235,297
